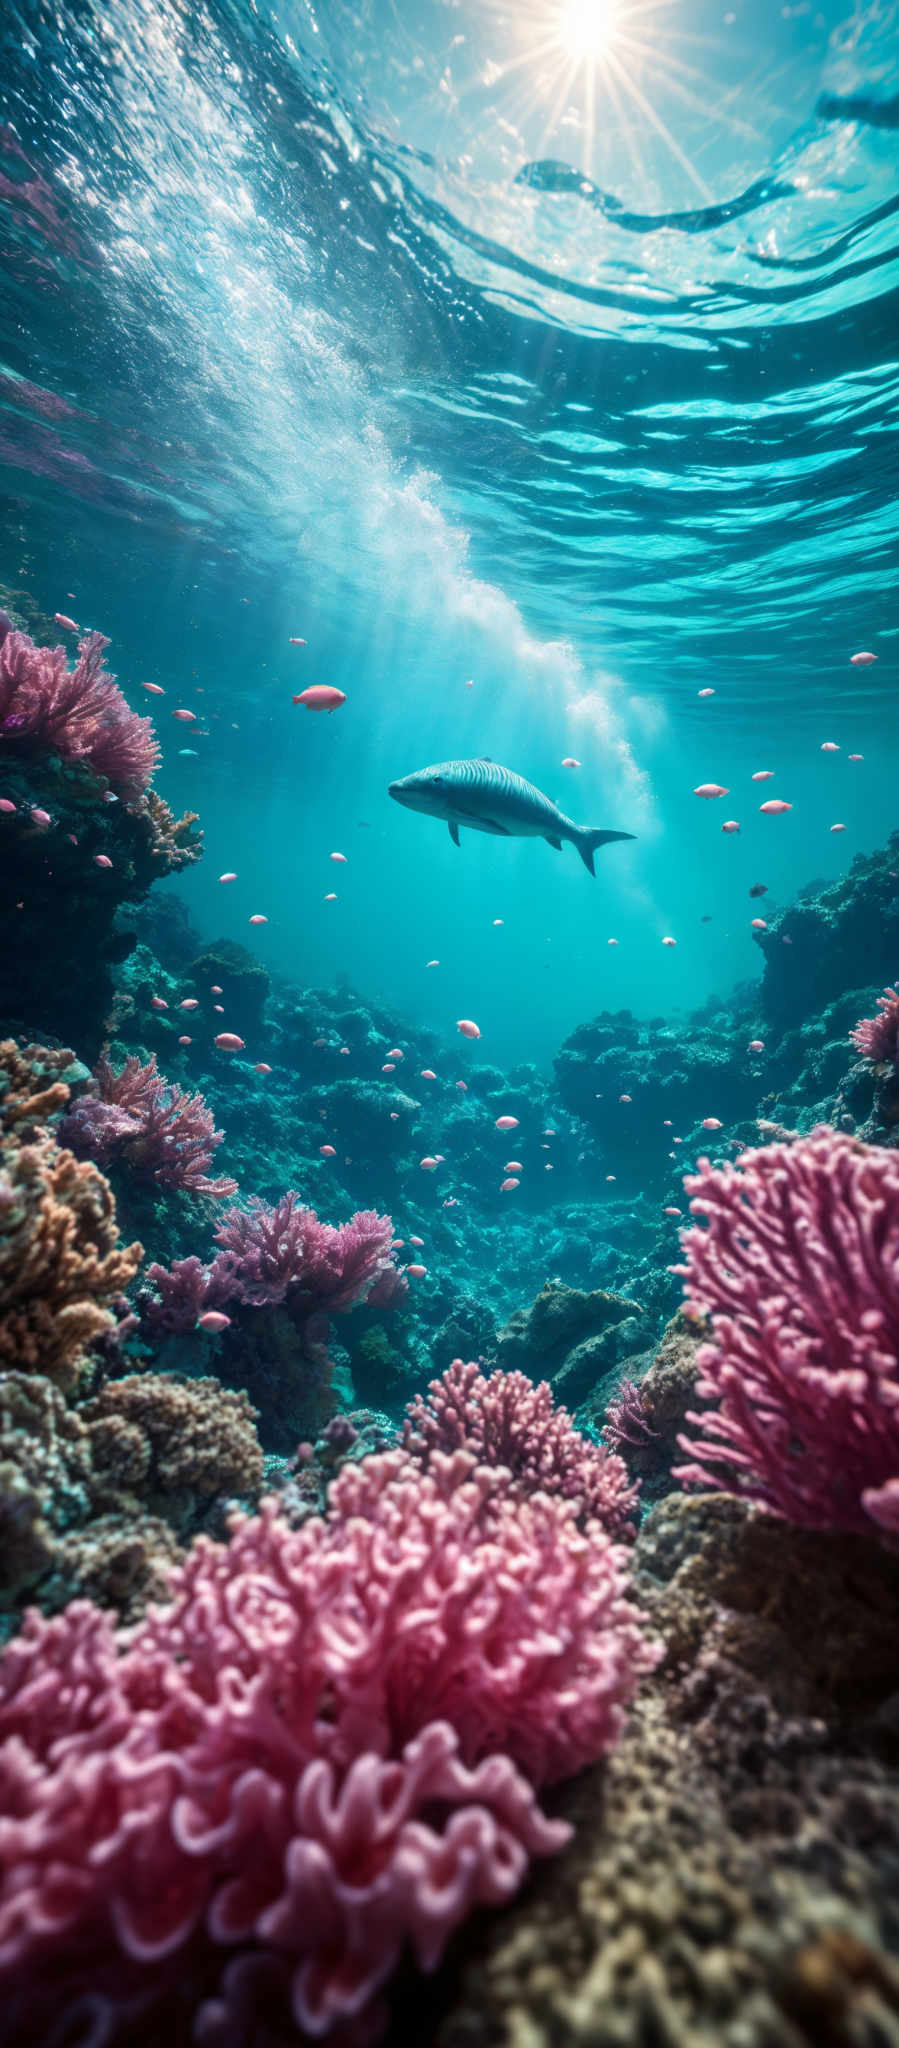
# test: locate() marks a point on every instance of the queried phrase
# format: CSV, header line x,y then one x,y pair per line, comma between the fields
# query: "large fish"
x,y
486,798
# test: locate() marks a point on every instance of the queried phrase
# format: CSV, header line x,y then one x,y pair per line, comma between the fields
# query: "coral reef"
x,y
842,936
78,714
361,1783
571,1338
243,981
506,1421
877,1038
62,1269
730,1883
798,1268
148,1124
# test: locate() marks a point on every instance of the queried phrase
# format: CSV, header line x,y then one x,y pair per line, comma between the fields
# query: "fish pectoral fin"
x,y
557,843
453,831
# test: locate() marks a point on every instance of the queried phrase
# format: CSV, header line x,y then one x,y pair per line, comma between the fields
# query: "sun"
x,y
588,28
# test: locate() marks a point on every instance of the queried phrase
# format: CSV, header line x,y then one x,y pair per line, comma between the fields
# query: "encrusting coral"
x,y
798,1267
61,1265
401,1677
149,1124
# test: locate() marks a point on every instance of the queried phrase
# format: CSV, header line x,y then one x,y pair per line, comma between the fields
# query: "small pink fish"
x,y
428,1074
59,619
669,942
462,1087
186,717
756,1045
506,1186
428,1164
295,641
155,689
467,1028
763,775
331,896
497,921
6,805
513,1166
227,878
673,1212
856,757
759,925
507,1123
432,963
158,1003
862,660
829,747
261,1068
775,807
712,1123
418,1241
102,860
189,1003
214,989
228,1041
625,1098
610,1176
838,828
570,762
328,1151
257,918
219,1008
344,1050
185,1041
730,825
214,1321
611,942
710,789
389,1067
320,697
417,1272
341,857
395,1053
705,693
41,818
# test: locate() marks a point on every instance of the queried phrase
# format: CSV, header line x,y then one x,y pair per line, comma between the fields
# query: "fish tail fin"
x,y
587,843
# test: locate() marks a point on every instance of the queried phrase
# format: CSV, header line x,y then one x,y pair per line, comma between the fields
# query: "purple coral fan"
x,y
79,714
272,1252
625,1421
273,1249
506,1420
159,1132
798,1267
323,1753
877,1038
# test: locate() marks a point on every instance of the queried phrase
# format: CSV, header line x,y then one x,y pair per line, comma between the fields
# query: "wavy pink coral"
x,y
506,1420
79,714
877,1038
160,1133
274,1248
317,1756
798,1267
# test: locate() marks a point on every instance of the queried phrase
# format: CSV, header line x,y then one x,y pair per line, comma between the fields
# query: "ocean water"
x,y
536,393
527,375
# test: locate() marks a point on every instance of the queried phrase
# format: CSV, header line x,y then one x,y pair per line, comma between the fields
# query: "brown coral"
x,y
60,1261
177,1444
31,1087
174,844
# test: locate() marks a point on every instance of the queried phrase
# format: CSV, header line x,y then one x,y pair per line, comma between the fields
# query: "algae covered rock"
x,y
570,1338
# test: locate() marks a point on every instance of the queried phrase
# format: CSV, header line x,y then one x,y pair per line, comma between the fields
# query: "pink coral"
x,y
79,714
505,1420
320,1754
158,1131
877,1038
274,1249
625,1421
798,1267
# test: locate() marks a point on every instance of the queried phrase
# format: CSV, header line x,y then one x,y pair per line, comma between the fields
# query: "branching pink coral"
x,y
79,714
507,1421
321,1754
877,1038
159,1132
798,1267
274,1249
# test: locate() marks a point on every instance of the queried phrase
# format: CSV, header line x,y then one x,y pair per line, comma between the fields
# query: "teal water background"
x,y
290,346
